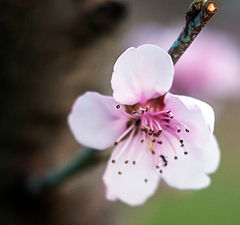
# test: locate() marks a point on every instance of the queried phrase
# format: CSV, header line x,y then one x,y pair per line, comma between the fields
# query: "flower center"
x,y
155,126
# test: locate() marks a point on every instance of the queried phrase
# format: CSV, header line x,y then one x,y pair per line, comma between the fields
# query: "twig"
x,y
37,185
199,13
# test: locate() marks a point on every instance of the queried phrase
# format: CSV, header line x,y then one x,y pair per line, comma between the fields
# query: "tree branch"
x,y
37,185
199,13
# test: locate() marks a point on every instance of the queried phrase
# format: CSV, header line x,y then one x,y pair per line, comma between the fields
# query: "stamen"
x,y
113,161
119,172
151,147
171,144
158,126
124,147
132,149
177,122
145,180
170,113
118,106
124,134
164,160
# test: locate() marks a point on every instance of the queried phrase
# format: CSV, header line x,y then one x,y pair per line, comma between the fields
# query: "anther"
x,y
118,106
153,152
115,143
157,166
142,140
166,120
142,111
134,112
119,172
187,130
145,180
153,140
175,157
182,145
126,162
179,130
181,141
185,153
164,160
160,171
158,133
113,161
146,109
159,142
134,162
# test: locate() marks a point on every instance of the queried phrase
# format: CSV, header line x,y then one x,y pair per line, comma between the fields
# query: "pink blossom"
x,y
157,135
208,69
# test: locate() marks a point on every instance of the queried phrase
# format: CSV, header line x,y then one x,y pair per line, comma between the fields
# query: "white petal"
x,y
137,182
211,154
141,74
187,172
207,111
95,122
191,117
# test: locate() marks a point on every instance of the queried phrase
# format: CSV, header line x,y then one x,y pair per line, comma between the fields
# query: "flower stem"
x,y
199,13
37,185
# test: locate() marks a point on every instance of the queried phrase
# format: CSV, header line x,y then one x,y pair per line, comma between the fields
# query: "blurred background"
x,y
53,51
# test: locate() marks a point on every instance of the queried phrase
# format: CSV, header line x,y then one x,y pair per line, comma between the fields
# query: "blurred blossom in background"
x,y
209,69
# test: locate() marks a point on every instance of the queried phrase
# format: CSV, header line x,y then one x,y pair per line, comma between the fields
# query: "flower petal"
x,y
211,154
141,74
191,117
207,110
95,121
132,177
187,172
